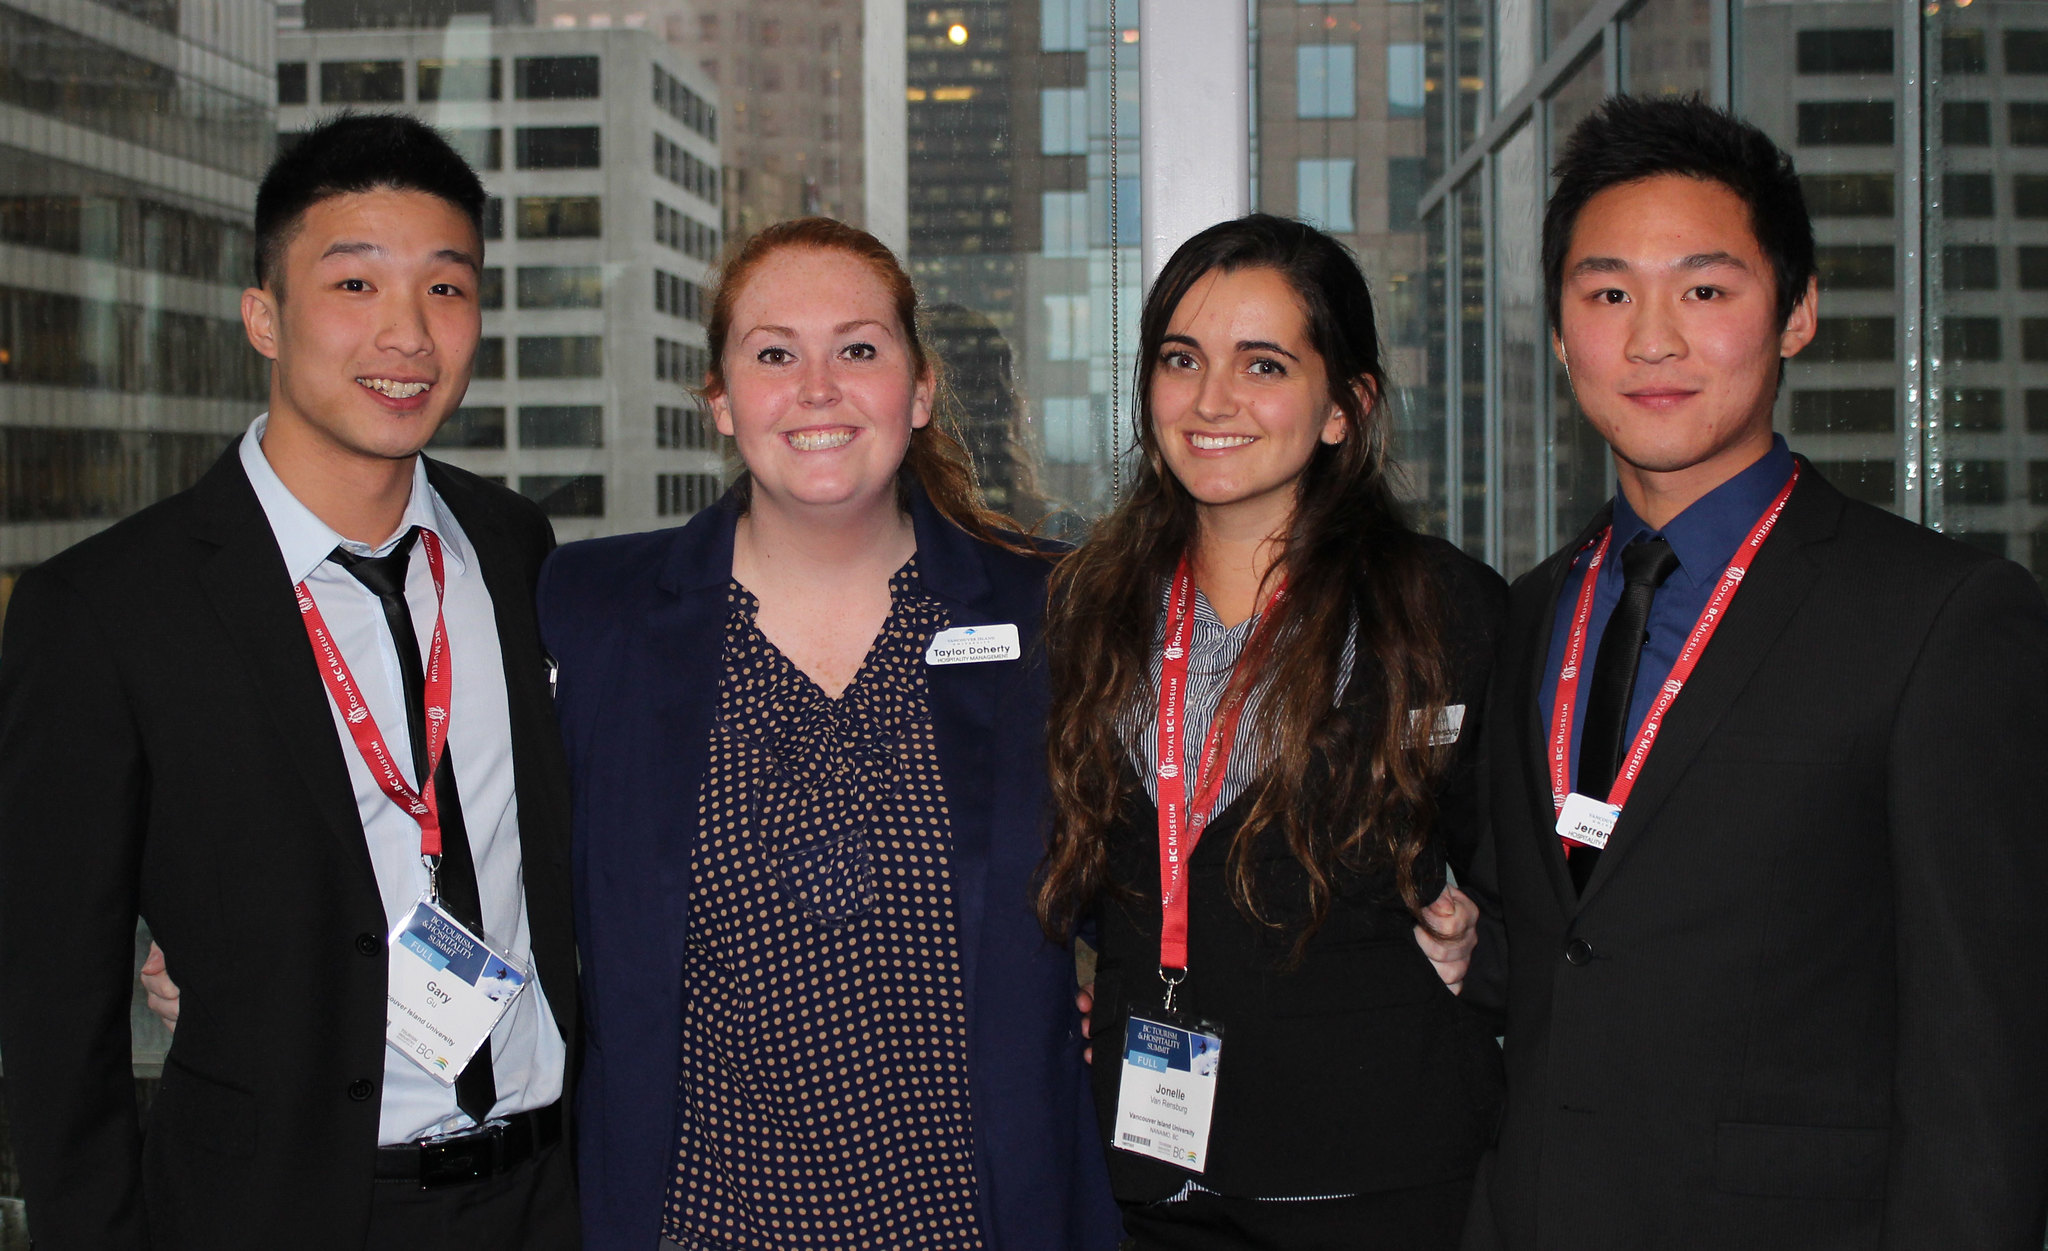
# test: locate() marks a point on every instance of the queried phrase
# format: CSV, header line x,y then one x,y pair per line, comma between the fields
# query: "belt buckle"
x,y
462,1158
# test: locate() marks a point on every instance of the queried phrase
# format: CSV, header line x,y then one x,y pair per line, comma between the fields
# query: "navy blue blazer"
x,y
636,624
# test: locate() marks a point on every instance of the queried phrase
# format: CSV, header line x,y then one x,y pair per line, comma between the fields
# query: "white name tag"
x,y
1450,721
447,990
969,645
1586,820
1168,1092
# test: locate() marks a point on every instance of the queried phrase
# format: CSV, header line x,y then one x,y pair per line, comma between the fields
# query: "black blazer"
x,y
1356,1070
1800,1002
166,750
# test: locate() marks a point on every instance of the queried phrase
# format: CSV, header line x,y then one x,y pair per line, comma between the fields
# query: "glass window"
x,y
2030,195
1967,195
1064,216
1063,121
490,358
1848,195
560,217
1979,410
1845,122
494,217
561,286
1325,80
451,79
1848,410
490,288
559,147
1971,339
555,78
1404,191
1871,481
1844,339
1976,482
362,82
561,356
1848,50
2033,260
2037,411
1969,267
1855,266
291,82
1962,50
565,495
1063,26
561,425
472,426
2034,338
1966,123
1404,80
1066,328
1670,49
2028,123
1324,194
2026,51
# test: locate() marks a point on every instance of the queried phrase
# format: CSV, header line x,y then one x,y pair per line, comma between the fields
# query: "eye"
x,y
1174,358
1706,293
354,284
774,356
445,288
859,352
1266,367
1611,295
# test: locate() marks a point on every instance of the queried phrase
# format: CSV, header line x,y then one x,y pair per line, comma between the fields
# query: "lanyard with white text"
x,y
1681,669
1181,818
419,804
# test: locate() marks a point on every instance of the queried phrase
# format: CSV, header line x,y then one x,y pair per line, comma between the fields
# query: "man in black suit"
x,y
1771,879
170,748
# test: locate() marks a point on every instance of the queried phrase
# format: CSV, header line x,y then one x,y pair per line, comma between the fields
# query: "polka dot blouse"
x,y
823,1098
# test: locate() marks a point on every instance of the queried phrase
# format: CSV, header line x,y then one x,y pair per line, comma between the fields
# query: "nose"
x,y
1216,400
405,327
818,386
1655,334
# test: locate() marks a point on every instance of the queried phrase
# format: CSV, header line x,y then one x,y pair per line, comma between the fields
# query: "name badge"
x,y
1450,722
1587,821
1168,1092
970,645
446,992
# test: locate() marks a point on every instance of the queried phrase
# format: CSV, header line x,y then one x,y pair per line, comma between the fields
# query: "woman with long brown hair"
x,y
804,733
1266,687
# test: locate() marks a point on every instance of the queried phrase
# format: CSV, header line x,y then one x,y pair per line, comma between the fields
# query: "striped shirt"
x,y
1213,649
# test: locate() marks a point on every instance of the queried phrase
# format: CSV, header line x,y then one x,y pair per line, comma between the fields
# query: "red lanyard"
x,y
341,684
1681,669
1181,819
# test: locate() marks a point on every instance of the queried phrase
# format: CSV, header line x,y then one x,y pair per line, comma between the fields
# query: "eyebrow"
x,y
363,247
844,327
1243,345
1698,260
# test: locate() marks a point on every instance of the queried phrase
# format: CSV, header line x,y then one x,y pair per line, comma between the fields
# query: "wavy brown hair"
x,y
936,459
1348,789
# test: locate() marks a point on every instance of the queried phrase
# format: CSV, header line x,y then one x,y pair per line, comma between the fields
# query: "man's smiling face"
x,y
372,324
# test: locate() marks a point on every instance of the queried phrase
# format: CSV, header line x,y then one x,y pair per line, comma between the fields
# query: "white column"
x,y
1195,110
885,122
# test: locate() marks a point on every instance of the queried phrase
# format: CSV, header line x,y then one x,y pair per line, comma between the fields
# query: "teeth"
x,y
396,390
1216,442
818,440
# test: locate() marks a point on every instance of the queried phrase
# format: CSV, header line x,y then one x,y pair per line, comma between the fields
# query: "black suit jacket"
x,y
1353,1070
166,750
1800,1003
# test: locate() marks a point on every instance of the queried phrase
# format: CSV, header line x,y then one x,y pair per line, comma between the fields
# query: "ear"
x,y
921,403
721,411
1557,350
1805,319
260,319
1337,426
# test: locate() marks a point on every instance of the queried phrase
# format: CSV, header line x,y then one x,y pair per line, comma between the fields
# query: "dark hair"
x,y
351,153
1345,790
1628,139
935,459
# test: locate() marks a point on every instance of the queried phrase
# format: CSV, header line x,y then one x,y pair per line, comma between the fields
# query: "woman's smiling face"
x,y
821,389
1239,397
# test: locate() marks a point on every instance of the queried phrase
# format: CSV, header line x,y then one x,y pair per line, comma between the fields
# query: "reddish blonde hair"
x,y
936,459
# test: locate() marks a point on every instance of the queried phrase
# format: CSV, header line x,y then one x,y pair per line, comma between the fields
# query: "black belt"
x,y
485,1152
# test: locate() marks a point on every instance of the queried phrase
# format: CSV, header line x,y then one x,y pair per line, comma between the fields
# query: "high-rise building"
x,y
124,248
599,149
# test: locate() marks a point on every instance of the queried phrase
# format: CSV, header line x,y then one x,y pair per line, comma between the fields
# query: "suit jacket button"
x,y
368,944
1578,951
361,1089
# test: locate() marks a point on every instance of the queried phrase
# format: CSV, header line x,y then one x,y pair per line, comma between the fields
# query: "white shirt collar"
x,y
306,540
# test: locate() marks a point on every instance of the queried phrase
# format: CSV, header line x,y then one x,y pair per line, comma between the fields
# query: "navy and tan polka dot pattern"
x,y
823,1098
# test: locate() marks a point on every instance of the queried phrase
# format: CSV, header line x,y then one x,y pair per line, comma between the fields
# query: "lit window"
x,y
1325,81
1323,194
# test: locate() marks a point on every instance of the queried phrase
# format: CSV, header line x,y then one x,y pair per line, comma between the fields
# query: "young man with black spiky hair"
x,y
242,715
1769,808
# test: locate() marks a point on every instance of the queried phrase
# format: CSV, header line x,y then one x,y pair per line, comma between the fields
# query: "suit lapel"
x,y
1777,584
1537,636
246,581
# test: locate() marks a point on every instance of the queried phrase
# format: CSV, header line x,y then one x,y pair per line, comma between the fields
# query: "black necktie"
x,y
476,1089
1644,566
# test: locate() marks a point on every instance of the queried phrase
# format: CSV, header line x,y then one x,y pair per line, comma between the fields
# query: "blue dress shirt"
x,y
1704,537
